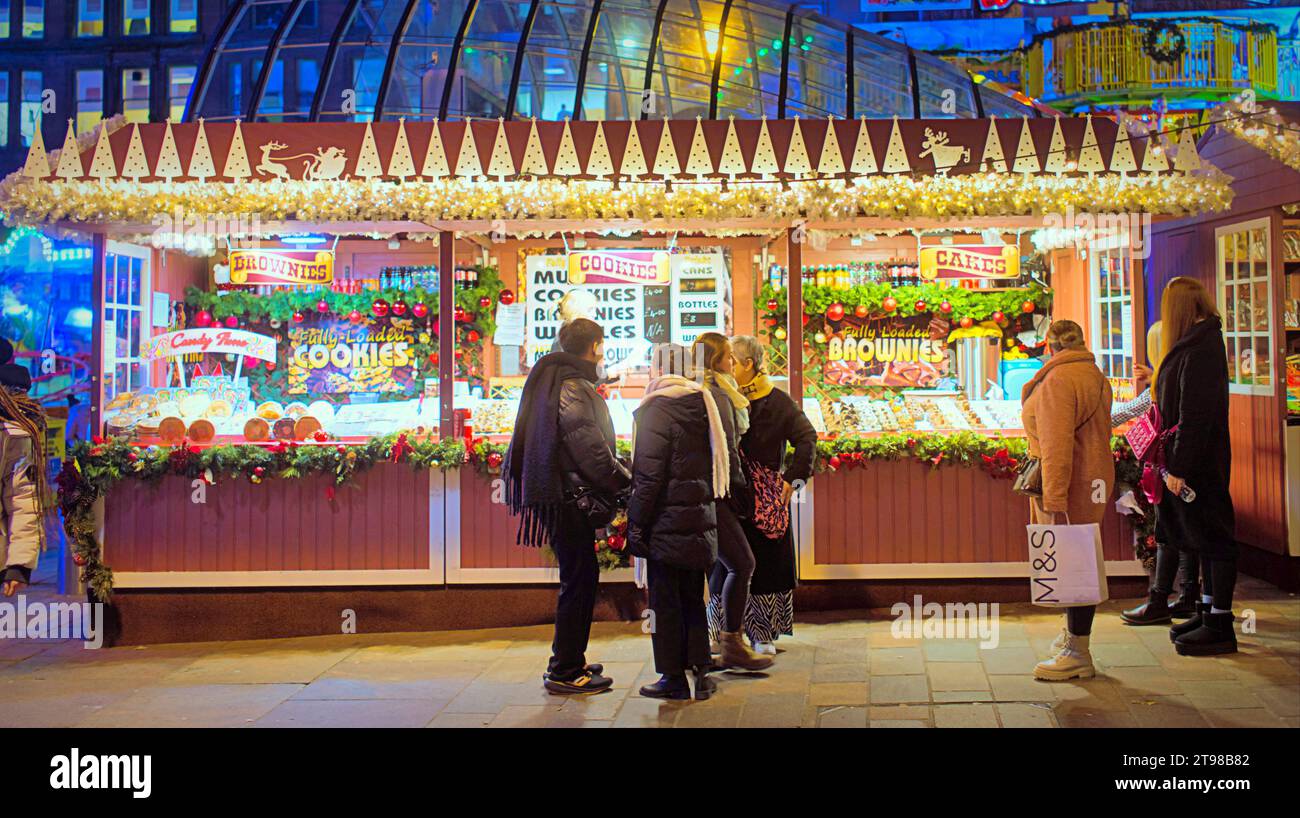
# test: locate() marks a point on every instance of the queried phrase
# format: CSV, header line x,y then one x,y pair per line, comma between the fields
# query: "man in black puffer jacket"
x,y
563,444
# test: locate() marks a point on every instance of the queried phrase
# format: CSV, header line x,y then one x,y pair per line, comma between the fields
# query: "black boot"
x,y
704,686
1187,601
1191,624
668,687
1215,637
1155,611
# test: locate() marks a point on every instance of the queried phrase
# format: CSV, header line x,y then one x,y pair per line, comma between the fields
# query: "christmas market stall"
x,y
315,334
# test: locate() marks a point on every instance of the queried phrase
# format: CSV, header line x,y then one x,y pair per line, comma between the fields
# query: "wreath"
x,y
1165,42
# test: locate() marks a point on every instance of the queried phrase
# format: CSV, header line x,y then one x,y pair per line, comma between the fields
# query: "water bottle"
x,y
1186,495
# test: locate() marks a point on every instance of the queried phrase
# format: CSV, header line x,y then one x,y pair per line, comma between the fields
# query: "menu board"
x,y
700,295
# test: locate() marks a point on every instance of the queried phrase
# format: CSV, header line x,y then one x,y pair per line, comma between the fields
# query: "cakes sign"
x,y
211,339
970,261
281,267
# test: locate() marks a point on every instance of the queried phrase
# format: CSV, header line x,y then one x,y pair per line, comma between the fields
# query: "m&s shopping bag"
x,y
1066,566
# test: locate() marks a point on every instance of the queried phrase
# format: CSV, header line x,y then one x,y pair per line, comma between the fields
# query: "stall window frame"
x,y
1234,336
113,252
1100,303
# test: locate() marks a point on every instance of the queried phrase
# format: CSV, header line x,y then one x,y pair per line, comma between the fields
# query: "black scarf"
x,y
534,487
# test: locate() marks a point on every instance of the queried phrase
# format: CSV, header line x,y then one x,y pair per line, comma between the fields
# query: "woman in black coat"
x,y
1192,393
775,422
680,466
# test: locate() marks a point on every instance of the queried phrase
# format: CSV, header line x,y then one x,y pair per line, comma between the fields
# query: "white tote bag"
x,y
1066,566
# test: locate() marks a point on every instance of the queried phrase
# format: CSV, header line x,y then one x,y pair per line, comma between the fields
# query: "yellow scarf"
x,y
758,388
727,384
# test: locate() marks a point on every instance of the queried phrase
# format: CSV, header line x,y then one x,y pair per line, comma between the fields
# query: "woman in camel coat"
x,y
1067,420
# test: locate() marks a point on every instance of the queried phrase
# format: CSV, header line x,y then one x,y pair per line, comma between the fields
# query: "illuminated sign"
x,y
628,266
212,339
971,261
280,267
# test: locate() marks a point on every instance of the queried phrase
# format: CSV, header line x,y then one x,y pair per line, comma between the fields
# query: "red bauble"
x,y
132,456
835,461
322,306
890,303
773,305
298,318
355,317
79,559
616,542
861,311
485,302
835,312
967,322
472,336
379,308
270,366
771,322
945,307
998,317
342,449
1028,306
259,471
232,321
506,297
319,436
419,310
919,306
433,359
203,318
399,307
805,319
463,316
494,459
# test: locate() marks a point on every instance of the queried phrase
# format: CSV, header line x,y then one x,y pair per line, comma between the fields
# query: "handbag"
x,y
597,509
770,516
1029,478
1146,439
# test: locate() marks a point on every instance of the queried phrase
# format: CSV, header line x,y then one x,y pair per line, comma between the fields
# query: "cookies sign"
x,y
338,357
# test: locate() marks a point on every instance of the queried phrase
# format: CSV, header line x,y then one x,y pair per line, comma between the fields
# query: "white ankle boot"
x,y
1058,644
1072,662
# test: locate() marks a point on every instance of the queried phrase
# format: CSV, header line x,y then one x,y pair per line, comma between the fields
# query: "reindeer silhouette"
x,y
945,155
271,166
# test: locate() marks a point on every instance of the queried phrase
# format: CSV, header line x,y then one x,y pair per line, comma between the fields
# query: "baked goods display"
x,y
918,410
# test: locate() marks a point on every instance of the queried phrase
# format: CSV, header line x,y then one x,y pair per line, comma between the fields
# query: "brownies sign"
x,y
281,267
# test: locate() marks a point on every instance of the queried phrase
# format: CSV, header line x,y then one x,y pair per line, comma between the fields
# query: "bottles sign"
x,y
970,261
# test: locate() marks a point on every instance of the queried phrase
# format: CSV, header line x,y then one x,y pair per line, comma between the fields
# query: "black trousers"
x,y
574,544
1170,561
1220,580
736,559
680,628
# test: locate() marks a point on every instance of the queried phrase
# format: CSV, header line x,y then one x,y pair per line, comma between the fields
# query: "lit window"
x,y
4,109
135,17
34,19
1244,273
308,79
90,18
29,110
135,94
4,21
180,78
90,99
126,279
184,16
1112,310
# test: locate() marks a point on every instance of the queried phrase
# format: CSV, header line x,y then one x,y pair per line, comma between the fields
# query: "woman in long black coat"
x,y
775,422
1192,394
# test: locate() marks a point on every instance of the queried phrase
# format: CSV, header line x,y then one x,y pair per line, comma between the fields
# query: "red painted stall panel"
x,y
380,522
488,529
904,512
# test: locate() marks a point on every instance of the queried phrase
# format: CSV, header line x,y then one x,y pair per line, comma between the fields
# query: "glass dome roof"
x,y
310,60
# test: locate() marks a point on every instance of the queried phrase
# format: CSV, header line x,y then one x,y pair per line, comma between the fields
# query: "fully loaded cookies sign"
x,y
338,357
894,352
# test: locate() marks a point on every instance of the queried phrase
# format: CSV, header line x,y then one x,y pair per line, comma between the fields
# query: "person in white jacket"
x,y
23,488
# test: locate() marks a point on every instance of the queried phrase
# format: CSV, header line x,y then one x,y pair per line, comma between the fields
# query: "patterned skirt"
x,y
767,616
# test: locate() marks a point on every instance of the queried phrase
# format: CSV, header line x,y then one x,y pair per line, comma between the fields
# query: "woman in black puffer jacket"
x,y
680,464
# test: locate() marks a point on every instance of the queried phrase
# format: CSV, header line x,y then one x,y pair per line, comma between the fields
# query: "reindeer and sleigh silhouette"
x,y
325,163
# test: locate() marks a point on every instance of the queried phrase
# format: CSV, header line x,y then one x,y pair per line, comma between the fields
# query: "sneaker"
x,y
668,687
764,648
585,683
594,668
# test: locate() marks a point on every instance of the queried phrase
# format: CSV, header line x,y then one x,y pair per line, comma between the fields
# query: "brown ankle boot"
x,y
736,654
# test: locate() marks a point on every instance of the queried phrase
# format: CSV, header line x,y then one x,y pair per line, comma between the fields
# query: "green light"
x,y
762,52
805,47
749,61
776,44
719,95
738,70
807,38
469,49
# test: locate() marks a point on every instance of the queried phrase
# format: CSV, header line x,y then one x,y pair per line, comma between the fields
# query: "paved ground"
x,y
841,670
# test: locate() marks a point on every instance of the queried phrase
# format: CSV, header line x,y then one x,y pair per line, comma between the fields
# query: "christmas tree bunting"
x,y
69,158
1058,159
102,165
501,164
37,165
1121,156
237,159
831,162
599,162
401,163
534,161
666,163
764,163
733,160
1154,159
1188,159
467,161
633,164
895,153
169,158
994,160
1090,160
369,164
864,157
435,157
135,166
1026,151
566,158
796,156
201,166
698,161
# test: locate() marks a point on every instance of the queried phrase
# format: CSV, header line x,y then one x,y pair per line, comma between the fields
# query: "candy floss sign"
x,y
211,340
